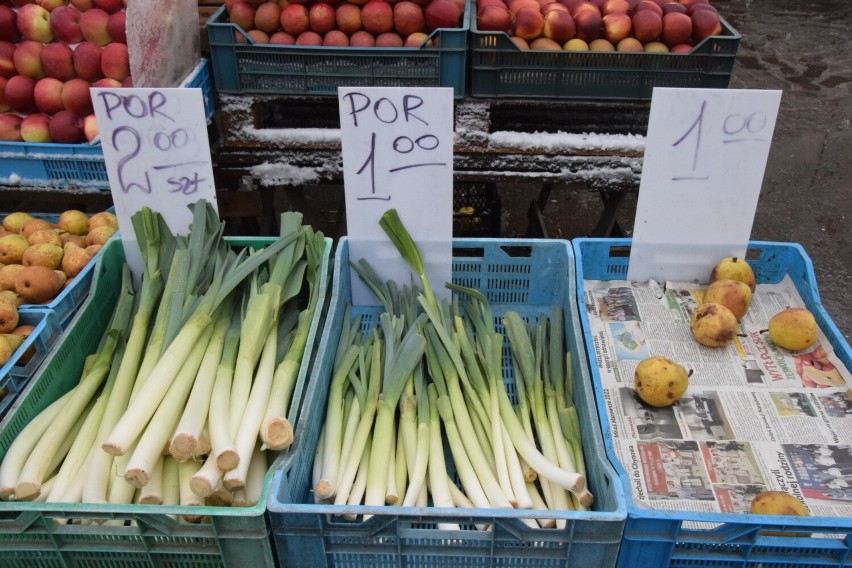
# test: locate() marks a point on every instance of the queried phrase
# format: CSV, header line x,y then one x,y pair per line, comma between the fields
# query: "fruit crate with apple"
x,y
243,64
476,210
77,166
28,357
75,534
501,68
524,275
655,537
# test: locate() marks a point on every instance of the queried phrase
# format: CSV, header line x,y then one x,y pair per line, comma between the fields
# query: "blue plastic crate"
x,y
527,276
245,67
16,372
30,164
36,534
653,537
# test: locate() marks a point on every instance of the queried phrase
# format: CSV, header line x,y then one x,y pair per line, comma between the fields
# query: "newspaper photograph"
x,y
755,417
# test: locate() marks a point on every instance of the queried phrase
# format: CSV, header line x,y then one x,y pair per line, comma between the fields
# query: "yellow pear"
x,y
11,296
94,249
660,381
39,284
104,218
99,235
6,350
733,294
34,225
794,329
8,317
12,248
50,236
74,221
713,325
79,240
8,274
778,503
24,331
733,268
14,221
74,260
44,254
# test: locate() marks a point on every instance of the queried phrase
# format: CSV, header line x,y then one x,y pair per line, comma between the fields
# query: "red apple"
x,y
545,44
335,38
520,43
282,38
7,59
58,61
515,5
613,6
417,39
117,27
585,7
10,128
695,7
648,5
677,28
705,24
389,39
348,18
630,44
309,38
90,127
94,26
377,16
674,7
267,17
481,4
34,128
321,18
528,24
47,95
494,19
408,18
106,83
65,21
19,93
558,26
589,26
34,23
66,128
554,7
362,39
127,83
83,5
442,14
76,97
681,48
87,61
27,58
258,36
109,6
647,26
294,19
242,14
9,25
601,44
115,62
616,26
51,5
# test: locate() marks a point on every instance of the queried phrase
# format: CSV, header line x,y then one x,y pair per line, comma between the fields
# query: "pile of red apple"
x,y
674,26
343,23
51,53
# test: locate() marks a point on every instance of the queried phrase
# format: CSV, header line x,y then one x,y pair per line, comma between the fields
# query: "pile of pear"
x,y
715,323
38,258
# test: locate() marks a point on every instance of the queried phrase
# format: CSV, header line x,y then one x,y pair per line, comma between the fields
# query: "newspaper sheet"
x,y
755,416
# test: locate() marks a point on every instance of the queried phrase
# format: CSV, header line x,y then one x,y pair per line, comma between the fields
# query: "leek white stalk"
x,y
401,463
516,473
391,493
152,493
156,435
187,498
439,483
171,482
221,442
256,474
464,469
539,505
205,480
359,484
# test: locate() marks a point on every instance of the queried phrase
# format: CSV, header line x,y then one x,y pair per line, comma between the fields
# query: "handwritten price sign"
x,y
157,155
705,156
397,146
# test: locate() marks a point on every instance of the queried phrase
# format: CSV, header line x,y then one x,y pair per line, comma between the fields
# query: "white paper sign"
x,y
397,146
157,155
705,156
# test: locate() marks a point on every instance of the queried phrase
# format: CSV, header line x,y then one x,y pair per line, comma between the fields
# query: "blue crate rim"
x,y
384,512
635,512
69,509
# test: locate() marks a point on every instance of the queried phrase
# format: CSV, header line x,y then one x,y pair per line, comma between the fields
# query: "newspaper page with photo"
x,y
755,416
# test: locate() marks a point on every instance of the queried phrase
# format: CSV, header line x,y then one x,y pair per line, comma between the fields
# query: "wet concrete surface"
x,y
802,48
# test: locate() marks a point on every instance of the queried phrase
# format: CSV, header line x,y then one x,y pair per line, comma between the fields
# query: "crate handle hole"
x,y
619,252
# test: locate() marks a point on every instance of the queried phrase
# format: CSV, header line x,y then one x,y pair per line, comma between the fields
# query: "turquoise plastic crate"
x,y
498,68
16,372
29,536
523,275
655,538
33,164
245,67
